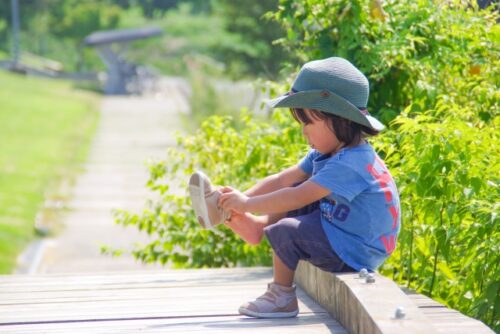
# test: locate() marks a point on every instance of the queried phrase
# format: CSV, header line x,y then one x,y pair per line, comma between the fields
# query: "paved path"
x,y
131,131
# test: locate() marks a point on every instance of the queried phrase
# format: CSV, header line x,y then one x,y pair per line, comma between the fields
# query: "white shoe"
x,y
205,198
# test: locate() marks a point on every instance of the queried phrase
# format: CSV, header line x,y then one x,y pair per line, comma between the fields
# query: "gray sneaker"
x,y
204,198
278,302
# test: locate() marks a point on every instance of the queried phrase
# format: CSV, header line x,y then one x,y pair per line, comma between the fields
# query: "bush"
x,y
447,173
411,50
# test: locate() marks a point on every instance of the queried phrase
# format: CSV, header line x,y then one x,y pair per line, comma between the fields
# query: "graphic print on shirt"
x,y
379,171
331,211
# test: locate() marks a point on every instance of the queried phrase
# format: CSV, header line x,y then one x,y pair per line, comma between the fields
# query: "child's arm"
x,y
283,179
281,200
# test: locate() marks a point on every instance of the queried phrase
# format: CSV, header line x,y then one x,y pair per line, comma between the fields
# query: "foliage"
x,y
406,47
151,8
239,39
29,9
40,146
234,33
65,18
185,34
204,99
447,172
256,55
76,19
55,29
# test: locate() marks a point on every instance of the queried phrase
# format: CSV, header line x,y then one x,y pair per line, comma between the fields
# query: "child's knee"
x,y
285,228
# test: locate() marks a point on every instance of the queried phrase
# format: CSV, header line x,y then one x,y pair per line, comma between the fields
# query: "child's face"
x,y
319,135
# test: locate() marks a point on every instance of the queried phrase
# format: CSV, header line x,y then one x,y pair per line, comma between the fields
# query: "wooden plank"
x,y
108,281
179,302
111,294
447,320
423,301
207,276
221,324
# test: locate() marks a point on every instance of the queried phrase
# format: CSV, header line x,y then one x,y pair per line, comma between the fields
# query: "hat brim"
x,y
326,101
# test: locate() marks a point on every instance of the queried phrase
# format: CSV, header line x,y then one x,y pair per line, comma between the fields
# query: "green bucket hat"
x,y
332,85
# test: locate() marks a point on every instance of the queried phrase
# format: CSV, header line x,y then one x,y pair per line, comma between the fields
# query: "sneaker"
x,y
204,198
278,302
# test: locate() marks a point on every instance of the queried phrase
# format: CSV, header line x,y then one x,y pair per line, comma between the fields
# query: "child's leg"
x,y
293,239
279,301
282,274
302,238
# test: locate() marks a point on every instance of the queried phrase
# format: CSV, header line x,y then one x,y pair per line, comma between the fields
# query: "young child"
x,y
338,208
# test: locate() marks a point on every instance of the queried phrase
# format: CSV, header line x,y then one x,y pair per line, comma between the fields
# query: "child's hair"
x,y
345,130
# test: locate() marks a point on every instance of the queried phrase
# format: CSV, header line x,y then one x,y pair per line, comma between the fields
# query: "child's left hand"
x,y
233,200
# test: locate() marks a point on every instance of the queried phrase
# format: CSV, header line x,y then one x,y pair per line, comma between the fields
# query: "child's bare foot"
x,y
247,226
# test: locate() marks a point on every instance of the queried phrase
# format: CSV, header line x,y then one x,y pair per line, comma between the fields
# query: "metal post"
x,y
15,32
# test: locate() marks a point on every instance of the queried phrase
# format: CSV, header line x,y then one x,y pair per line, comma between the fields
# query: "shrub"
x,y
410,50
446,170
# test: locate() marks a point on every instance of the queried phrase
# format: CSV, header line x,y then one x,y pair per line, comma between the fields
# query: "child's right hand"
x,y
233,200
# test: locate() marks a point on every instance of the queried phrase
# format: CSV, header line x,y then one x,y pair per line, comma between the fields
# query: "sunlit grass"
x,y
45,127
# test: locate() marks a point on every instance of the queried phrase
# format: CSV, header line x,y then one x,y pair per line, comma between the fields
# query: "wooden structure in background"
x,y
111,46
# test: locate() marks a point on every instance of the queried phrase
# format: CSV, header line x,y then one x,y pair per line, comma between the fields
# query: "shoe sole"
x,y
253,314
197,193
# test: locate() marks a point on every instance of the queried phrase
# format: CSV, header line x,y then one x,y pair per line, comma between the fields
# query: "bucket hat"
x,y
332,85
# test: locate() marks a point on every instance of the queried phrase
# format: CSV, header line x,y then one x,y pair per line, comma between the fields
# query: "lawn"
x,y
45,128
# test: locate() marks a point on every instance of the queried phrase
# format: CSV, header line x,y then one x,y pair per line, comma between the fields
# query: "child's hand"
x,y
233,200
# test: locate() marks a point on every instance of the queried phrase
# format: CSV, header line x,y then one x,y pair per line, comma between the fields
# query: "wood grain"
x,y
370,308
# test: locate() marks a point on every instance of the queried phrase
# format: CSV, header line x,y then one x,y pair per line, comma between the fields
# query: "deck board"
x,y
446,320
170,301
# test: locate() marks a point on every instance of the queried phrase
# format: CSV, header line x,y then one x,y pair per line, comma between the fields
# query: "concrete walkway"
x,y
131,131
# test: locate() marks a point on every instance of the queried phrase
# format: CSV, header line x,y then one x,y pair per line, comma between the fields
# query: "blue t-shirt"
x,y
361,216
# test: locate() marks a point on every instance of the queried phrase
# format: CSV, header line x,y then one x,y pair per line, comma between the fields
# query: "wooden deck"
x,y
169,301
189,301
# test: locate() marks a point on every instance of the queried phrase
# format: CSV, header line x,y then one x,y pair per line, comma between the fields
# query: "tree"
x,y
75,19
257,33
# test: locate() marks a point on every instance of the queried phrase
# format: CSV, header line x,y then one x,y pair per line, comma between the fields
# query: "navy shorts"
x,y
300,236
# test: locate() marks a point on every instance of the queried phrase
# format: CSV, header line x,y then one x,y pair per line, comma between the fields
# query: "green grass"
x,y
45,127
4,55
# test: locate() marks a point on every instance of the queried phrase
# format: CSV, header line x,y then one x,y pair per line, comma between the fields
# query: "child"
x,y
338,208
